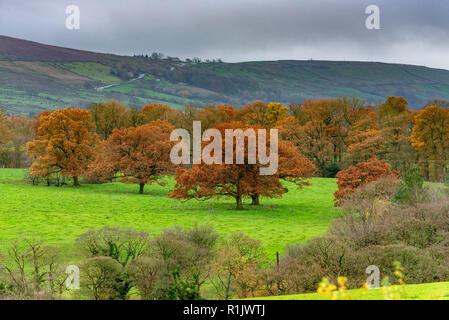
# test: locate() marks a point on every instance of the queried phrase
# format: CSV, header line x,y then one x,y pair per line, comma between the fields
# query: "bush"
x,y
31,270
100,277
410,189
239,258
145,272
355,176
416,236
372,198
185,256
331,170
122,245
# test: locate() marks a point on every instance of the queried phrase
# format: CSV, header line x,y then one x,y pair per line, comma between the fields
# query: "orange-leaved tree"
x,y
310,139
208,180
355,176
108,116
292,167
13,149
4,130
5,136
430,138
136,155
152,112
64,143
254,113
395,124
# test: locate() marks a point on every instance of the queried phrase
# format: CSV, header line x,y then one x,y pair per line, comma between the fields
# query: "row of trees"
x,y
15,132
66,143
332,133
110,140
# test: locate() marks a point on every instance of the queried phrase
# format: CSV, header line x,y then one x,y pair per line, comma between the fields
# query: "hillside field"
x,y
35,77
60,215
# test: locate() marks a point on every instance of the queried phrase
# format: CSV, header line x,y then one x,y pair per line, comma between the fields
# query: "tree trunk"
x,y
238,200
255,200
141,187
76,183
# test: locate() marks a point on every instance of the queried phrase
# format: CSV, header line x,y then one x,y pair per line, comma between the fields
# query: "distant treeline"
x,y
332,133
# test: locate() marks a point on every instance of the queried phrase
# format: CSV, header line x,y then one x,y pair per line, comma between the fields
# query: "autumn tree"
x,y
395,125
438,103
318,131
4,130
364,138
135,117
212,115
64,143
259,113
152,112
275,112
331,131
310,139
108,116
292,167
254,113
219,178
208,180
137,155
430,138
15,132
5,136
355,176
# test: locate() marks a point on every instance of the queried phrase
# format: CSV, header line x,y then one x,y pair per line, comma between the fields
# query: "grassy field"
x,y
425,291
60,215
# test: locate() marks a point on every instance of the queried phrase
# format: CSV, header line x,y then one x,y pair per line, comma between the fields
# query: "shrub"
x,y
238,257
100,277
371,198
355,176
122,245
145,271
185,256
415,236
410,189
31,270
330,171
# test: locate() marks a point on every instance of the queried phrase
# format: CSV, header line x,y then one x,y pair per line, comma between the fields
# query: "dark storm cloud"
x,y
412,31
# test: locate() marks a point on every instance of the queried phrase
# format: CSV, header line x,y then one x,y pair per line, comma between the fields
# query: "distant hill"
x,y
33,51
36,77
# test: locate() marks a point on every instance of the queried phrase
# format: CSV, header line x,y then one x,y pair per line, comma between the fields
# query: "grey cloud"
x,y
412,31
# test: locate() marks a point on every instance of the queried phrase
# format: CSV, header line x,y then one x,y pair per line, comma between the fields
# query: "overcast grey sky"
x,y
412,31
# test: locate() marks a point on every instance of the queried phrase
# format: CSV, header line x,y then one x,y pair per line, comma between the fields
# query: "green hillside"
x,y
35,77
